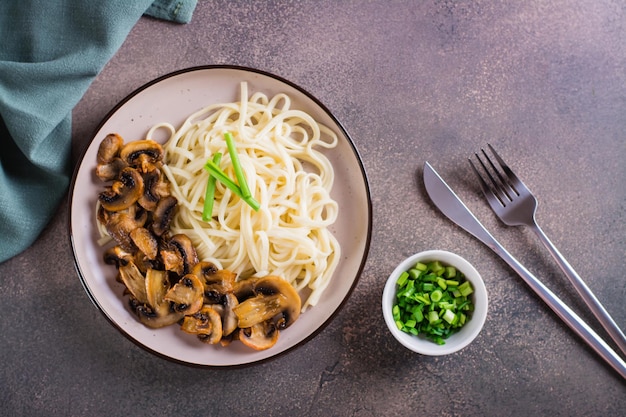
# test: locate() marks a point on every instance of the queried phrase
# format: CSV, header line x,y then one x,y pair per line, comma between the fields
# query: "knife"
x,y
452,207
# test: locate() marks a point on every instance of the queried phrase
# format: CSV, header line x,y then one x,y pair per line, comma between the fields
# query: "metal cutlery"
x,y
453,208
515,205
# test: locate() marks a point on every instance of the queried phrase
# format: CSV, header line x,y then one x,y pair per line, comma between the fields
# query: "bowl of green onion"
x,y
435,303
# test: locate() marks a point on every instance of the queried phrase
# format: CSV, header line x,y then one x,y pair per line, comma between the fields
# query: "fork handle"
x,y
583,290
561,309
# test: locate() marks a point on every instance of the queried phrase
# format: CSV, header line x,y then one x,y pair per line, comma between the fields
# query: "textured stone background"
x,y
543,81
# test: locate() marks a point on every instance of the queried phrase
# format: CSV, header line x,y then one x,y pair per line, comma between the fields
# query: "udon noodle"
x,y
279,151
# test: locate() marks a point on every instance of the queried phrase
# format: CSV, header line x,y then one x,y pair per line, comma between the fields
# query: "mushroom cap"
x,y
135,281
157,285
163,214
149,318
154,188
143,154
244,289
230,322
124,191
206,323
179,254
117,256
120,224
110,170
109,148
145,241
156,312
187,295
261,336
272,298
272,284
217,282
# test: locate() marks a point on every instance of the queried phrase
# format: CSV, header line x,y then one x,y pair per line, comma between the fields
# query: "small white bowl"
x,y
456,341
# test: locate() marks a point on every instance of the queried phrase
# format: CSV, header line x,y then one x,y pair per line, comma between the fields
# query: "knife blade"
x,y
453,208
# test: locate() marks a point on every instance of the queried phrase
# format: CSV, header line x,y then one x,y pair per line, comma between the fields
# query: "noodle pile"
x,y
277,147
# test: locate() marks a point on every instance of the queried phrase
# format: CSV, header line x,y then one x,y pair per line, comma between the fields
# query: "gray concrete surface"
x,y
544,82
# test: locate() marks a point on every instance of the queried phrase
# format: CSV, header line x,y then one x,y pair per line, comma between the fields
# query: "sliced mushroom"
x,y
154,188
261,336
124,192
156,312
117,256
275,299
144,154
157,286
110,170
230,322
163,214
120,224
244,289
179,255
135,281
143,263
150,318
187,295
217,282
271,285
206,323
260,308
145,241
109,148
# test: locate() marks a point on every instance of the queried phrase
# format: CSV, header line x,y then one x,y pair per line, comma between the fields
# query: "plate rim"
x,y
291,84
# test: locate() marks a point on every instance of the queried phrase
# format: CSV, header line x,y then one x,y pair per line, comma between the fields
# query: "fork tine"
x,y
515,183
489,192
497,187
500,183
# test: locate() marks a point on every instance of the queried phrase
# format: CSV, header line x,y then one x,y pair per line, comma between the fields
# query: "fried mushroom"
x,y
109,148
145,241
110,170
157,311
120,224
179,255
275,300
154,188
206,324
163,214
271,285
261,336
186,295
217,282
135,281
117,256
144,154
124,191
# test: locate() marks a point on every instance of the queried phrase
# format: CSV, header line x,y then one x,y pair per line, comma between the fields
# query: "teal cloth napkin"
x,y
50,52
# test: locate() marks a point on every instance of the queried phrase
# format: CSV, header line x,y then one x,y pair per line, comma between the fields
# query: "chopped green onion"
x,y
421,267
432,299
403,277
234,157
209,197
230,184
450,272
466,289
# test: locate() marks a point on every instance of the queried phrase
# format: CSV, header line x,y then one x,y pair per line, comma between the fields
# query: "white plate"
x,y
172,98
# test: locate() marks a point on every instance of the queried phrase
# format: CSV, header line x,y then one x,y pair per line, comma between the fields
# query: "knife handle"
x,y
561,309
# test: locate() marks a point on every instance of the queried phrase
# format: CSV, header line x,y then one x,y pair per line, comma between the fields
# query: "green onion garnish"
x,y
234,157
215,171
432,300
209,197
241,190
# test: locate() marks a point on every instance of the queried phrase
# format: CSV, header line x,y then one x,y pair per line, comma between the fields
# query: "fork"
x,y
515,205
